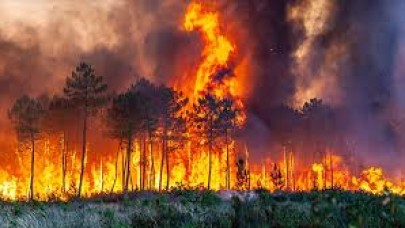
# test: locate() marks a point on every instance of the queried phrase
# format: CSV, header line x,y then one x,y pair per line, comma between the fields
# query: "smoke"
x,y
42,42
367,36
348,53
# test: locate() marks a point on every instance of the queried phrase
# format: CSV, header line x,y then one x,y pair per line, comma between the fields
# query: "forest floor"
x,y
212,209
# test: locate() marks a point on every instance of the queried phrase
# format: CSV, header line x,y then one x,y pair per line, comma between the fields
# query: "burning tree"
x,y
242,175
123,121
84,90
212,118
147,112
277,177
320,130
58,120
26,116
171,124
227,124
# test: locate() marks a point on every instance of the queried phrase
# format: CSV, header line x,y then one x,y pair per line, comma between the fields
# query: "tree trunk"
x,y
144,162
167,165
64,165
161,164
116,166
331,171
286,168
292,164
83,151
32,167
123,168
152,166
140,164
102,175
209,153
228,175
127,165
325,164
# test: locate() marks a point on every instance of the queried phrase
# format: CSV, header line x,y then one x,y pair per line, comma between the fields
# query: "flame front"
x,y
186,172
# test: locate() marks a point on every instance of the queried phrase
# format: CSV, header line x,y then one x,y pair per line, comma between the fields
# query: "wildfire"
x,y
57,173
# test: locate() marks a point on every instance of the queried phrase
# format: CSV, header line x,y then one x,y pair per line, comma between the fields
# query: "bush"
x,y
187,208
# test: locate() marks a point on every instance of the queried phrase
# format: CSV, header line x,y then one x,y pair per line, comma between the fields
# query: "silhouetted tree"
x,y
206,117
285,125
58,120
242,175
124,121
227,119
172,127
26,116
85,90
277,177
148,111
320,124
318,121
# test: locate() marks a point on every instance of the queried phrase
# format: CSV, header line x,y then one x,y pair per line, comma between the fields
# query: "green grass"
x,y
207,209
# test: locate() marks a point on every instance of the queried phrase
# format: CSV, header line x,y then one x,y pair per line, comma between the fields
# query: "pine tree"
x,y
85,91
27,115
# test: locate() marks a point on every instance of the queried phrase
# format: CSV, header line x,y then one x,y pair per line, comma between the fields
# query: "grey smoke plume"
x,y
354,63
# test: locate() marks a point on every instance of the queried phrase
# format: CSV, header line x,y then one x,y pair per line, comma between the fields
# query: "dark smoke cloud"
x,y
370,31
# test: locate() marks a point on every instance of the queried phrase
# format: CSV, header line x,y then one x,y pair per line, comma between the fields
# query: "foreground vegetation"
x,y
209,209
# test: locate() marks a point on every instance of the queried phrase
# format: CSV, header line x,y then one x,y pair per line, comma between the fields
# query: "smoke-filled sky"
x,y
42,41
349,53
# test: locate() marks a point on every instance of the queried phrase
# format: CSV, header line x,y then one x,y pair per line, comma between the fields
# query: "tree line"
x,y
145,112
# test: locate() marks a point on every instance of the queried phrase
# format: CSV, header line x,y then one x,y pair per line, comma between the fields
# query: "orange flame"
x,y
217,50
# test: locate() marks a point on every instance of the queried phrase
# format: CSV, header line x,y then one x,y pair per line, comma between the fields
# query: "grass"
x,y
208,209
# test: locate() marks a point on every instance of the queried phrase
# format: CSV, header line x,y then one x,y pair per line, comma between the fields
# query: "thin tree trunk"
x,y
140,164
247,167
123,168
209,166
161,164
131,178
331,170
128,162
292,163
189,165
152,166
102,175
116,166
167,165
64,152
32,167
209,154
83,151
228,175
325,164
144,162
286,168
